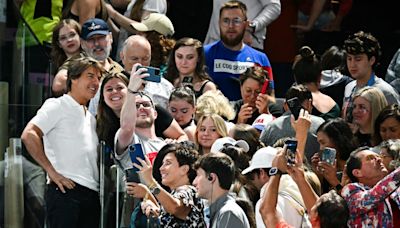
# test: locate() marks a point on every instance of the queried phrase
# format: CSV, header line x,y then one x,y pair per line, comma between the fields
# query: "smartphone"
x,y
290,153
265,86
136,151
154,74
132,176
328,155
294,106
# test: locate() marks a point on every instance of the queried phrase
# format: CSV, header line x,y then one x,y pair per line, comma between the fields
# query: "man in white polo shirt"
x,y
62,139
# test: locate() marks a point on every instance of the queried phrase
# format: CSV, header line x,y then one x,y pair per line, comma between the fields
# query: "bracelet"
x,y
133,92
152,184
146,197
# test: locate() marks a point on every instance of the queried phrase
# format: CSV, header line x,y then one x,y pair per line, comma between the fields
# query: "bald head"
x,y
136,49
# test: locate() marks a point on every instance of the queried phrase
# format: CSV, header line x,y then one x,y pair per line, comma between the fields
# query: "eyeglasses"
x,y
235,21
250,92
145,105
99,39
69,36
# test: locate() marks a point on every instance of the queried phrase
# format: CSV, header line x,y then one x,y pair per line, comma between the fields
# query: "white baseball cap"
x,y
262,120
261,159
219,144
155,22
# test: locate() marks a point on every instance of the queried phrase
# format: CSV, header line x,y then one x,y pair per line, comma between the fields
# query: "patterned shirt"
x,y
369,207
188,195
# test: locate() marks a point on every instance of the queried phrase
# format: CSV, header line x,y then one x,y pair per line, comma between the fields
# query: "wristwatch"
x,y
252,27
155,189
274,171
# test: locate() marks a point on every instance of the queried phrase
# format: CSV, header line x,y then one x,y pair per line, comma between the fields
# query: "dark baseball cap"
x,y
94,26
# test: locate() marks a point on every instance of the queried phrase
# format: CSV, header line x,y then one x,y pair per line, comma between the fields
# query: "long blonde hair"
x,y
376,99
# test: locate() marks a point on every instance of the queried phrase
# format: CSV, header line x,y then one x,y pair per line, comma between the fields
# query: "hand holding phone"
x,y
135,151
153,72
294,106
132,176
328,155
290,152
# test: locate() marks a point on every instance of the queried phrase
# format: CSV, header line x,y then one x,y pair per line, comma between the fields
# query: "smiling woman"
x,y
112,95
182,207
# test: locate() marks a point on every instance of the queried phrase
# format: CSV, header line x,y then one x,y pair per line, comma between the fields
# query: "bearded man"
x,y
229,57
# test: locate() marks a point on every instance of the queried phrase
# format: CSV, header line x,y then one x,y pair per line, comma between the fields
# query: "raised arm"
x,y
171,204
268,211
120,19
306,191
128,111
87,9
301,127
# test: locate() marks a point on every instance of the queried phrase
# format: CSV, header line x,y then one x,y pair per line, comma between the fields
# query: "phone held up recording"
x,y
153,72
328,155
294,106
290,152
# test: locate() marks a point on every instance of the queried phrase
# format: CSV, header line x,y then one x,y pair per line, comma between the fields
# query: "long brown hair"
x,y
58,55
161,46
107,121
200,70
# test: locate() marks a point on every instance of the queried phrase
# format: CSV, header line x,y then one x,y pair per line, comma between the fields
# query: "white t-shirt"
x,y
70,139
150,148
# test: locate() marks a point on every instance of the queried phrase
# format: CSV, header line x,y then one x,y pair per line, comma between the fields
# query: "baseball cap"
x,y
261,159
260,122
155,22
94,26
219,144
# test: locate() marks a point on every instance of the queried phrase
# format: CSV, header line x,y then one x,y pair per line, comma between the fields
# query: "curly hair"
x,y
255,72
161,47
363,43
213,101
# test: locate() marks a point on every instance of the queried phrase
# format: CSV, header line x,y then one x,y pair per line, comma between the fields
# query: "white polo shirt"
x,y
70,139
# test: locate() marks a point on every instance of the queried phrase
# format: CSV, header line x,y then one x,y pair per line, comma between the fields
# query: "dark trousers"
x,y
78,207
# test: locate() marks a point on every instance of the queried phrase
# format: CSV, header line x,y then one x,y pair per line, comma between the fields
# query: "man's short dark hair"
x,y
221,165
78,66
234,4
354,162
332,210
300,91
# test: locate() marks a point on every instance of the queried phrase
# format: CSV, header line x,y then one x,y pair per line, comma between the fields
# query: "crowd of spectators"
x,y
197,131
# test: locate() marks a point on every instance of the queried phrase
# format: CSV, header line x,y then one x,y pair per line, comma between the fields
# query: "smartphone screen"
x,y
328,155
294,106
136,151
290,153
153,72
